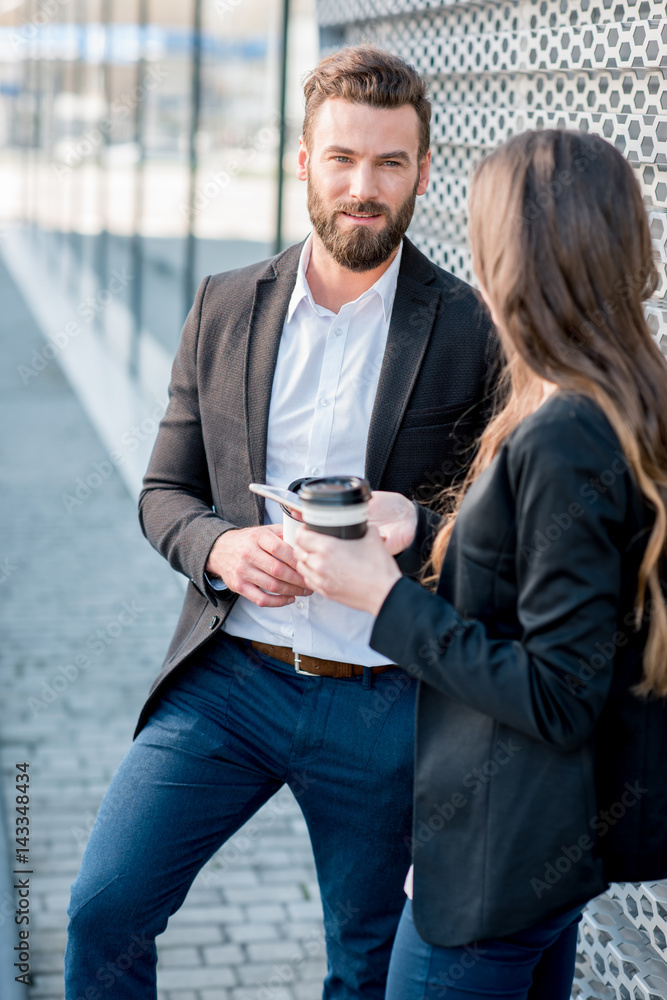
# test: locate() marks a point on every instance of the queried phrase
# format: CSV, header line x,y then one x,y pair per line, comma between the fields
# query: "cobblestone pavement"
x,y
251,927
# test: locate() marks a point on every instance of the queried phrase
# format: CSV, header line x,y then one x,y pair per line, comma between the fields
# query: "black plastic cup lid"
x,y
336,490
297,484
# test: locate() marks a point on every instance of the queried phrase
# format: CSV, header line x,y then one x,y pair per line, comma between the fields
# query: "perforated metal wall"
x,y
495,69
498,68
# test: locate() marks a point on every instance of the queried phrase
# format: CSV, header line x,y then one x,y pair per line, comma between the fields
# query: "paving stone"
x,y
178,956
178,979
300,929
47,985
267,979
278,951
307,991
52,941
46,962
54,901
248,993
225,954
206,914
200,934
313,971
236,877
305,910
265,914
73,572
264,894
253,932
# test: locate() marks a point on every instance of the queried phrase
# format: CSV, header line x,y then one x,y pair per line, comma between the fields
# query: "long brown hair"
x,y
562,249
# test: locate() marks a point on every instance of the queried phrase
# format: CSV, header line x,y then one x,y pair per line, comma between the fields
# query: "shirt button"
x,y
324,402
300,605
338,332
315,471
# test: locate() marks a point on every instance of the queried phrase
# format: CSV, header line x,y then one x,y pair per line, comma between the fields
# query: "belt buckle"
x,y
297,668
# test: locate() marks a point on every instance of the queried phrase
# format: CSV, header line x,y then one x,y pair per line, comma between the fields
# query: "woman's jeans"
x,y
536,964
233,728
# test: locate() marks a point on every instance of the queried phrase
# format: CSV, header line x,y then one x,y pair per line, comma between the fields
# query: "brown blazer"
x,y
431,402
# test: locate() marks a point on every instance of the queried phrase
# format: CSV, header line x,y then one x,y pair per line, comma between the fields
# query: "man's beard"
x,y
360,248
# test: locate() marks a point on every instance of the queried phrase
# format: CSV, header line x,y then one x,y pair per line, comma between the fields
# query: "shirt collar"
x,y
385,286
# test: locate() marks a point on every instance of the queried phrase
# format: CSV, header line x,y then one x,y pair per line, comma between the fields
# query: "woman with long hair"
x,y
541,656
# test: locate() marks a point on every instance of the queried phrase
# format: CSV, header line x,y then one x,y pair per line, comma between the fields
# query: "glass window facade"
x,y
140,143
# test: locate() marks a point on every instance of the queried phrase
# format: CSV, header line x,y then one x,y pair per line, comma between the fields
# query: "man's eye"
x,y
343,159
392,163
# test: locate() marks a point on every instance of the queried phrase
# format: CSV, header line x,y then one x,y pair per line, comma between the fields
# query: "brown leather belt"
x,y
313,665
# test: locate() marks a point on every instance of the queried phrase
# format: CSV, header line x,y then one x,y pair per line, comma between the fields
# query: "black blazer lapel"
x,y
412,318
265,327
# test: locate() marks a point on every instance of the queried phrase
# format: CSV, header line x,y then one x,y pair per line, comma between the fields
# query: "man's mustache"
x,y
367,208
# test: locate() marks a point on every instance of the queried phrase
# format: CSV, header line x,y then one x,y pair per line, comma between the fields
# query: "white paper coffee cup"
x,y
290,527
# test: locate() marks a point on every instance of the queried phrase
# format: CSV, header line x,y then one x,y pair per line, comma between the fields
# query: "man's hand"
x,y
395,518
252,561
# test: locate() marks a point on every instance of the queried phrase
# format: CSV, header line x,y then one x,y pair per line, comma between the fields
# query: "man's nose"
x,y
363,183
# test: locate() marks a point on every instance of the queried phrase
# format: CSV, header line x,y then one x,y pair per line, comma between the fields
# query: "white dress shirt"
x,y
322,398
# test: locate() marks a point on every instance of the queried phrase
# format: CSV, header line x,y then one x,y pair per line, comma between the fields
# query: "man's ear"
x,y
302,161
424,173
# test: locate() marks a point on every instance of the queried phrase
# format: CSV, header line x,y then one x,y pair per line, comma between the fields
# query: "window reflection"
x,y
142,153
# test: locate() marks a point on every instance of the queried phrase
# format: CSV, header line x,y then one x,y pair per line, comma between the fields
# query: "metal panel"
x,y
618,951
499,68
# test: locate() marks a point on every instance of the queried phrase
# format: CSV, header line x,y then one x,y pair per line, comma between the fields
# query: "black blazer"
x,y
432,401
539,777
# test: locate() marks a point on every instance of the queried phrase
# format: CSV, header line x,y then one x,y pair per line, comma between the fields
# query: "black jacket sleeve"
x,y
568,594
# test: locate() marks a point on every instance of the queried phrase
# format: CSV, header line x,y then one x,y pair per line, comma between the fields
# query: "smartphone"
x,y
277,493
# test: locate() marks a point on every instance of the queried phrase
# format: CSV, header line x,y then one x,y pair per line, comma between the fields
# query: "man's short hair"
x,y
366,74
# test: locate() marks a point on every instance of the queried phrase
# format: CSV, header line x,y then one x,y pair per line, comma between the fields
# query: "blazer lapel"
x,y
265,328
412,318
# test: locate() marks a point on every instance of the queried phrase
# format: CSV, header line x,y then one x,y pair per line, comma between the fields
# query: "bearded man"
x,y
350,353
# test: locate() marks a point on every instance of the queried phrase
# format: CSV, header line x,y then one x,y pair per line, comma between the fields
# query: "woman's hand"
x,y
359,573
395,518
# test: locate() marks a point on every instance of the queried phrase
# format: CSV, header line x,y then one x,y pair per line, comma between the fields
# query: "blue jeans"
x,y
230,731
535,964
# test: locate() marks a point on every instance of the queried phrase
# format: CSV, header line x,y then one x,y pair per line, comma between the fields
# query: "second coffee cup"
x,y
335,505
291,524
